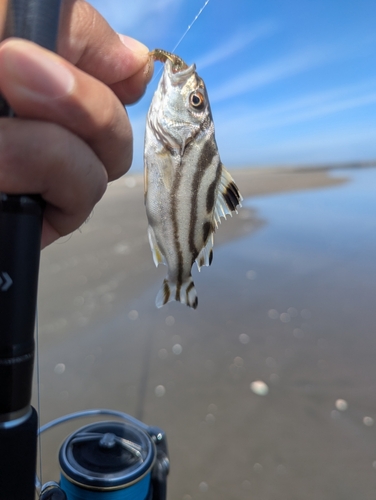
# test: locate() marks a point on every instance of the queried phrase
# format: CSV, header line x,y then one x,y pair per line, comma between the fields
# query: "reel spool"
x,y
111,460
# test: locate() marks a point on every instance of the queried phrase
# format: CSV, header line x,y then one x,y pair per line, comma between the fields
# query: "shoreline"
x,y
112,246
261,181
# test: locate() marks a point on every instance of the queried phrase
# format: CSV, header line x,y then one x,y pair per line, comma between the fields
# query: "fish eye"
x,y
197,100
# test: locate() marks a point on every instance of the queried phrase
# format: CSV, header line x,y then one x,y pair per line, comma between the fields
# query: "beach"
x,y
266,392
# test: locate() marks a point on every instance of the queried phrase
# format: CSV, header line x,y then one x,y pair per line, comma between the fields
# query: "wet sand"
x,y
296,314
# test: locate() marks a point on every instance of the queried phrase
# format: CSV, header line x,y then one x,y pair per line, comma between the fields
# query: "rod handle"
x,y
18,452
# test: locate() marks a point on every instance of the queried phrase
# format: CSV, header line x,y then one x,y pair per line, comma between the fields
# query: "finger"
x,y
44,158
41,85
88,42
129,91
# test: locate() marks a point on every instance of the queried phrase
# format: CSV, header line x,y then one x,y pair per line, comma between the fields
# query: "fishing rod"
x,y
110,460
20,236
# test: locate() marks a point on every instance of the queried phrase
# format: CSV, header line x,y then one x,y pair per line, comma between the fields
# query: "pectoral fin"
x,y
228,197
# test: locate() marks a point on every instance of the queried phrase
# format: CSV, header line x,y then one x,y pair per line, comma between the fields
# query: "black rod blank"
x,y
20,237
34,20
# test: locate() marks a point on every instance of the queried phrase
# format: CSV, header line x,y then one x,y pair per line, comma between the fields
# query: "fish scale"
x,y
187,189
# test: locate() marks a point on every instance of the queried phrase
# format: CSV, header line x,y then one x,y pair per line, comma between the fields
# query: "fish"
x,y
187,188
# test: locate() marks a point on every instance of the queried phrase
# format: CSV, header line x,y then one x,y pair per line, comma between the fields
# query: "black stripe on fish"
x,y
195,303
166,292
205,125
206,230
189,288
231,196
209,151
175,225
210,196
211,257
235,189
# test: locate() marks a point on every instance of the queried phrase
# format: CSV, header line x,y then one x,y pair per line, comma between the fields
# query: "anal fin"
x,y
158,257
205,256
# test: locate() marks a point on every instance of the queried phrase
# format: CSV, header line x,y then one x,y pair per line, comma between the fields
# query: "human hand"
x,y
72,134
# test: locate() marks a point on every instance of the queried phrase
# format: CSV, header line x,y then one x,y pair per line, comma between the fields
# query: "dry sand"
x,y
104,344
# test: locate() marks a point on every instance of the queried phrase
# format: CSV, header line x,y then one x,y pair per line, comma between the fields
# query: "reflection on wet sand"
x,y
266,391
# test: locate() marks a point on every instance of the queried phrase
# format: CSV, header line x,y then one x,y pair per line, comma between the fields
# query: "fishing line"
x,y
38,391
190,26
143,385
185,33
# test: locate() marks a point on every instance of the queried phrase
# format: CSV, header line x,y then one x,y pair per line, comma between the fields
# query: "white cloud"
x,y
142,16
238,145
301,109
277,70
292,64
269,135
324,109
235,44
342,144
316,99
320,146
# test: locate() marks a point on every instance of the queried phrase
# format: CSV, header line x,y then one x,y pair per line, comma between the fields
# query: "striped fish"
x,y
187,189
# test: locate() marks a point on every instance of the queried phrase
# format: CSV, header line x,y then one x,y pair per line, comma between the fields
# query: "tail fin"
x,y
169,292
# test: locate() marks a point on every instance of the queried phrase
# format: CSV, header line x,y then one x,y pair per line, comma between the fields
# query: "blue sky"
x,y
290,81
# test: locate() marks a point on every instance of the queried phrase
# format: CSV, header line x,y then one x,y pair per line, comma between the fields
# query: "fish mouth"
x,y
178,71
177,63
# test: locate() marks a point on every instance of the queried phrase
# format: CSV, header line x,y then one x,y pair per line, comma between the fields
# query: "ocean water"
x,y
326,225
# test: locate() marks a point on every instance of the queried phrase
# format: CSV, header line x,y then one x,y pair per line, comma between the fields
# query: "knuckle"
x,y
79,22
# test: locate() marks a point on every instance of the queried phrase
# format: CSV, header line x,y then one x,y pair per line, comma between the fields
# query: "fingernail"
x,y
34,70
133,45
